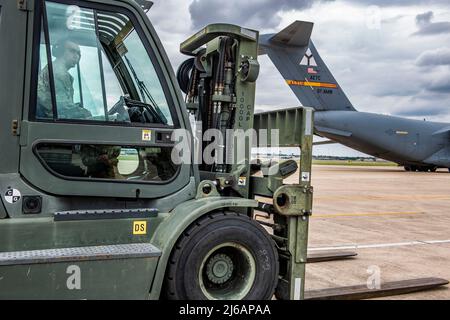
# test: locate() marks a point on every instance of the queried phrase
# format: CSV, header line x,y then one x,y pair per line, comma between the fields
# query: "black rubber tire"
x,y
407,168
181,280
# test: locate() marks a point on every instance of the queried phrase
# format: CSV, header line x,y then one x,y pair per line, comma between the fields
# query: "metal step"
x,y
105,214
314,257
387,289
108,252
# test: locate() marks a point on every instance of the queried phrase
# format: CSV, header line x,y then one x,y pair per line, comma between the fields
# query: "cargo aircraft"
x,y
416,145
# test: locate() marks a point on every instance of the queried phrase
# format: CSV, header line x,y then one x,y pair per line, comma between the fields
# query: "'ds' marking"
x,y
311,84
139,227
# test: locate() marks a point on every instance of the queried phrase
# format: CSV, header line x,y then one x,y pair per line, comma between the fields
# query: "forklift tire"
x,y
222,256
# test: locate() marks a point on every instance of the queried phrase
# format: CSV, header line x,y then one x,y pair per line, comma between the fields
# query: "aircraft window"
x,y
94,67
122,163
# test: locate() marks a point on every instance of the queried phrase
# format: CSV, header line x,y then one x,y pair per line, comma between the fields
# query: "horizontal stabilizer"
x,y
296,34
321,143
334,131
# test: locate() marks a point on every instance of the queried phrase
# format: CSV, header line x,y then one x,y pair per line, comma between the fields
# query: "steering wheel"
x,y
120,108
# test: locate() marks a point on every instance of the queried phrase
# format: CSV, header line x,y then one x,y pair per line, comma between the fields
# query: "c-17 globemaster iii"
x,y
416,145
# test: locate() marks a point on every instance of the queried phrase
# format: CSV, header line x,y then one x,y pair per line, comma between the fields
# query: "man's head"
x,y
68,51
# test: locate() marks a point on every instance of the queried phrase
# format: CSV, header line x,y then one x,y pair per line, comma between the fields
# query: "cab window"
x,y
110,162
95,67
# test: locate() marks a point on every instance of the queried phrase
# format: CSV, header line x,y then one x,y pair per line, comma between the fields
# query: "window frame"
x,y
40,19
87,179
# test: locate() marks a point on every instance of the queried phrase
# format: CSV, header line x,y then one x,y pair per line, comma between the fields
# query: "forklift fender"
x,y
178,220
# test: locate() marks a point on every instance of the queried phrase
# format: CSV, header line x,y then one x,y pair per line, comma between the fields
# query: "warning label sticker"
x,y
305,176
12,196
146,135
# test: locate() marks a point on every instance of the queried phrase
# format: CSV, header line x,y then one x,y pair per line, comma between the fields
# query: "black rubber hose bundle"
x,y
184,74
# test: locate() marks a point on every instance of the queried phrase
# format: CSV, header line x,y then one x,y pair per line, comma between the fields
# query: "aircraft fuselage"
x,y
404,141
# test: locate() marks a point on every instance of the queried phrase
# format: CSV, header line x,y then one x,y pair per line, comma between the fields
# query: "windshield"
x,y
94,66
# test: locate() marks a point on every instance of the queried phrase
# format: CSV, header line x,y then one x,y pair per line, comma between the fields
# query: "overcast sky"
x,y
390,57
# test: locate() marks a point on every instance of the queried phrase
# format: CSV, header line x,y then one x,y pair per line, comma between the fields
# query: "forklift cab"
x,y
90,103
102,107
92,110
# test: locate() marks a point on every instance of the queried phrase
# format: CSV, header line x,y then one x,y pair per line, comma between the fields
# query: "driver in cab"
x,y
68,55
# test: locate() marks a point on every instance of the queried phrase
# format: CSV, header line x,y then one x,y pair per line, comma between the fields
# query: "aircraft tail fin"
x,y
296,58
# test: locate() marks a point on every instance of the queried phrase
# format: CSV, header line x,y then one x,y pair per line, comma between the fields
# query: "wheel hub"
x,y
219,269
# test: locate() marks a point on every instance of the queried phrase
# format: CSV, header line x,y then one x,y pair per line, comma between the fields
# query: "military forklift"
x,y
115,185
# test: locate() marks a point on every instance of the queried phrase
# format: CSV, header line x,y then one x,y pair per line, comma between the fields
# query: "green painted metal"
x,y
289,124
105,279
298,226
45,233
293,203
242,100
212,32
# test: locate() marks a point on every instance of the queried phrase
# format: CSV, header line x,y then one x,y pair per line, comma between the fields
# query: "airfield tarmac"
x,y
396,221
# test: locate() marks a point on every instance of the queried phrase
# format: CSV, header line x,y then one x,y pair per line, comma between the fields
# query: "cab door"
x,y
103,107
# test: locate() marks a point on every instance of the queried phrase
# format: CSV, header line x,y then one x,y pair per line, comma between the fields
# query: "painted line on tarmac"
x,y
383,198
364,214
379,245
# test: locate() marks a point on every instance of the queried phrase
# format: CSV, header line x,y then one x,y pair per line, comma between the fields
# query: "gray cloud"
x,y
438,57
423,111
252,13
434,28
426,27
440,86
398,3
424,18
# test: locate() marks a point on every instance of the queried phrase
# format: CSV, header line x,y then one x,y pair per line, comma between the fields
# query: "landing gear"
x,y
420,168
223,256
